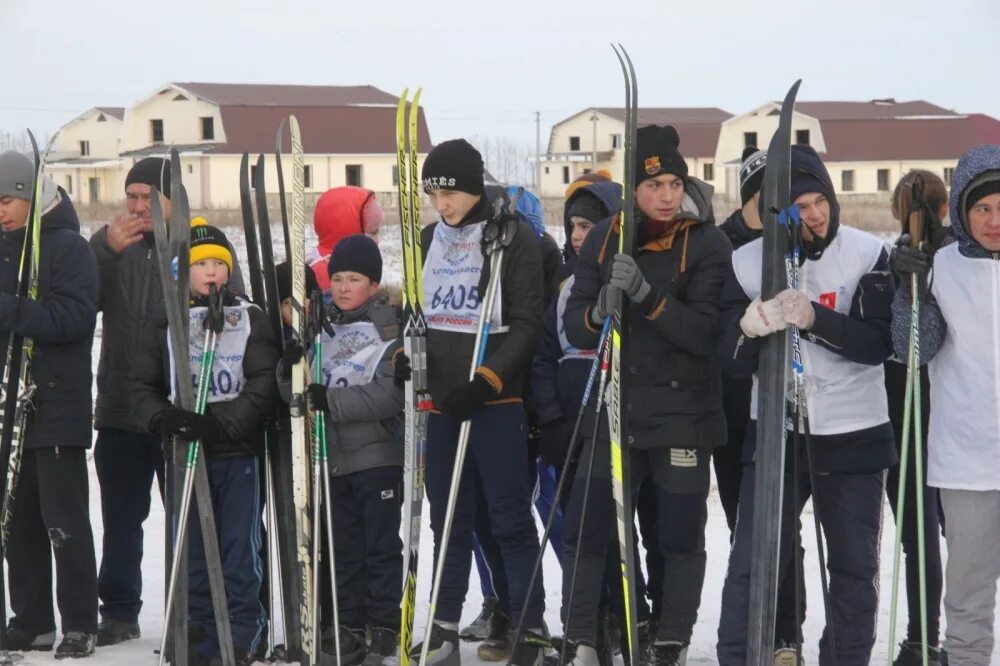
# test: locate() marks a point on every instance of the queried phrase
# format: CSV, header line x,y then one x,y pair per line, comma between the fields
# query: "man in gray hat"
x,y
50,515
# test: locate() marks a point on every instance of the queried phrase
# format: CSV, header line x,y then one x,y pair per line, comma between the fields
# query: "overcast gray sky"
x,y
486,68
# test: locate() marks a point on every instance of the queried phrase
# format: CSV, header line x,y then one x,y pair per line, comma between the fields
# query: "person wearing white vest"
x,y
362,397
241,394
960,342
843,312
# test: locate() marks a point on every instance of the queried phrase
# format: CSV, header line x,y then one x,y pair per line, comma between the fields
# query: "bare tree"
x,y
15,141
505,158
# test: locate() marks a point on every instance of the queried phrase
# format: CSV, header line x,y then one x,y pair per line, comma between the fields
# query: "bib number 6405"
x,y
457,297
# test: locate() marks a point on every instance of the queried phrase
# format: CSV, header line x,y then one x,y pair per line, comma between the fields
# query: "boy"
x,y
362,401
231,432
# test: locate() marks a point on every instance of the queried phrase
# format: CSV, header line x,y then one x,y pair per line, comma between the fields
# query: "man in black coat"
x,y
50,508
672,280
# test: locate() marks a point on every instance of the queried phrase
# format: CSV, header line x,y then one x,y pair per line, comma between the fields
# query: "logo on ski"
x,y
652,165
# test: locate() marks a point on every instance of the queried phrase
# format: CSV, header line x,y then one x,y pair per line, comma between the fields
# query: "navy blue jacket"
x,y
61,323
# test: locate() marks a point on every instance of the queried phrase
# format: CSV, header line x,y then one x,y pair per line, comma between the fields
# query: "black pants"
x,y
367,510
681,483
126,464
52,517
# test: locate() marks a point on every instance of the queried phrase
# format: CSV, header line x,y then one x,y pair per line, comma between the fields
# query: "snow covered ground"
x,y
701,652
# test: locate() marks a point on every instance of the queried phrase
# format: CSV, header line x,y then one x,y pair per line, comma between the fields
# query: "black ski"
x,y
771,402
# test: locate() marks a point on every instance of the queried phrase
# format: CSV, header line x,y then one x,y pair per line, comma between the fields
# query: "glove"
x,y
317,396
176,422
468,399
797,308
626,275
401,370
290,355
763,318
906,260
608,300
553,442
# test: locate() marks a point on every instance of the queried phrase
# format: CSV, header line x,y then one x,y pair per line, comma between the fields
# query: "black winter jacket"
x,y
675,389
243,418
61,324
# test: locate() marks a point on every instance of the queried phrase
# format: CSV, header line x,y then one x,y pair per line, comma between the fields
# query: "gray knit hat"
x,y
17,174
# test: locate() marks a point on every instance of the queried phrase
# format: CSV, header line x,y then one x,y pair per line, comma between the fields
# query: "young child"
x,y
362,399
231,433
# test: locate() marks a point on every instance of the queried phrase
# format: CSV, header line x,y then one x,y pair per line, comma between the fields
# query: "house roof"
x,y
253,94
906,139
114,111
871,110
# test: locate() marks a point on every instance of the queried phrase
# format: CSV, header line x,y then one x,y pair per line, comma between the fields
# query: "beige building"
x,y
592,140
348,135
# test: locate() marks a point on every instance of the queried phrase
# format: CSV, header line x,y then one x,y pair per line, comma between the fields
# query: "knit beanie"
x,y
152,171
454,165
599,176
208,242
283,274
657,154
357,253
587,206
17,178
751,172
982,190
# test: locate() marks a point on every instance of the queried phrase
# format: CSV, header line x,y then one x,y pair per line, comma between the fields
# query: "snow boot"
x,y
382,647
75,645
112,632
352,647
479,630
22,640
666,654
497,646
531,650
911,654
443,648
784,655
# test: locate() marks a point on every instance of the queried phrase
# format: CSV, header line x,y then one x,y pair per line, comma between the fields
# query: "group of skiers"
x,y
696,324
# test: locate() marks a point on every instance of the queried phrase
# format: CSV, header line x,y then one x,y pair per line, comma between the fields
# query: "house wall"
x,y
731,136
181,121
103,136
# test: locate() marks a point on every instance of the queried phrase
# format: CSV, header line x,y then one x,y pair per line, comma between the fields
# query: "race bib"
x,y
225,381
569,351
352,355
452,270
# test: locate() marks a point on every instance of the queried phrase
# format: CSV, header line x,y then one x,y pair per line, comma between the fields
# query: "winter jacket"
x,y
365,421
559,371
508,352
61,324
959,320
130,294
244,417
672,372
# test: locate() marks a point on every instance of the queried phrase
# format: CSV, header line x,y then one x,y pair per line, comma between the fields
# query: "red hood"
x,y
338,214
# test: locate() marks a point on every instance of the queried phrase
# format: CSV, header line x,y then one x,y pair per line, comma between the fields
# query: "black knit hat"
x,y
454,165
152,171
358,253
587,206
982,190
752,167
657,154
283,274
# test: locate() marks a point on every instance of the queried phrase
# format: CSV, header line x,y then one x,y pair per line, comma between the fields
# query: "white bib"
x,y
226,378
452,269
352,355
569,351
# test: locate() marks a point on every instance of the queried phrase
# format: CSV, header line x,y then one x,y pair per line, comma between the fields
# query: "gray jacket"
x,y
365,421
130,293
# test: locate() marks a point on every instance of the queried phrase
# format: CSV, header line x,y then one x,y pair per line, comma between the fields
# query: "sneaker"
x,y
785,655
497,645
443,648
23,640
75,645
352,647
381,647
912,654
666,654
112,632
479,630
531,650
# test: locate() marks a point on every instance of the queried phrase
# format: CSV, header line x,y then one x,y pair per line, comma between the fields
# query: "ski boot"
x,y
75,645
784,655
911,654
479,630
381,647
443,649
497,646
666,654
113,632
352,647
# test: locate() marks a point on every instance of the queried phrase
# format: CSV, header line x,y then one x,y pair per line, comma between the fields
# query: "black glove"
x,y
176,422
317,398
906,260
290,355
468,399
608,300
401,370
553,442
